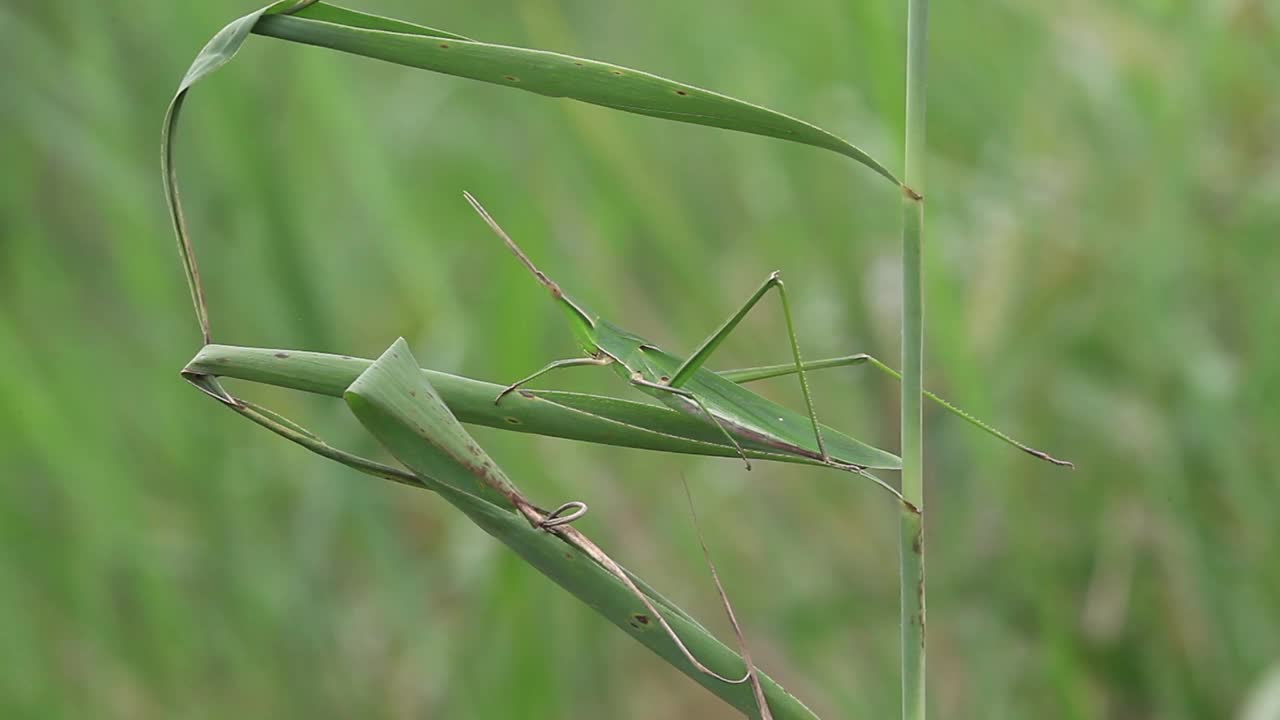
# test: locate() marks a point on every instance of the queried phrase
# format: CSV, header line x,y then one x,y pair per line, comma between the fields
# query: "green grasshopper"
x,y
741,415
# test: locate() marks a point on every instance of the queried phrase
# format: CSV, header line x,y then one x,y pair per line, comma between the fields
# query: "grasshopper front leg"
x,y
571,362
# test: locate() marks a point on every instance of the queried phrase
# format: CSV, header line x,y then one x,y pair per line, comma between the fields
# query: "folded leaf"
x,y
575,416
399,406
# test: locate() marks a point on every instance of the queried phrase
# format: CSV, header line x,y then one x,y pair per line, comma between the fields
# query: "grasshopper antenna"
x,y
547,282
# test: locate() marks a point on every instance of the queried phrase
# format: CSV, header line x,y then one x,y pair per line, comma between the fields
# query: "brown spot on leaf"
x,y
616,72
917,544
681,92
413,393
641,618
282,354
511,78
525,394
444,45
511,420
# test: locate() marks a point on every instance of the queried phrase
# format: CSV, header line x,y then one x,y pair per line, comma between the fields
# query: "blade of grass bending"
x,y
515,531
219,51
396,403
394,386
575,416
299,435
551,74
537,71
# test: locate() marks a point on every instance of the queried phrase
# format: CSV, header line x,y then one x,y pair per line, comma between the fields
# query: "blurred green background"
x,y
1103,280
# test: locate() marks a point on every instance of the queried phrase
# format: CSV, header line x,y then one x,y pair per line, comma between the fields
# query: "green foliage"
x,y
577,416
398,405
422,431
551,74
1101,278
538,71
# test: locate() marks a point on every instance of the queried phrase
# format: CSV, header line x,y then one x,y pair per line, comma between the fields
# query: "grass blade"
x,y
575,416
911,541
537,71
396,403
467,478
549,73
219,51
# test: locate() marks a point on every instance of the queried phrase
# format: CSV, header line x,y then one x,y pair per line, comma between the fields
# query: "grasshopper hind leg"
x,y
638,380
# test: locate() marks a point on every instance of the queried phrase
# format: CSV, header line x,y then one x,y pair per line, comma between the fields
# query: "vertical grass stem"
x,y
911,538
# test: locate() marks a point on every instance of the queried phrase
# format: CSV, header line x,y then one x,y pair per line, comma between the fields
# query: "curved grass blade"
x,y
397,403
575,416
289,430
551,74
219,51
538,71
408,423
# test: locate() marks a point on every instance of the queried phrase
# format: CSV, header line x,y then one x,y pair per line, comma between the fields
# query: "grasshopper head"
x,y
584,326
